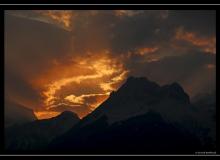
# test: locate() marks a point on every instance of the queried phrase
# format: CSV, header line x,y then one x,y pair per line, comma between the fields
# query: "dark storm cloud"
x,y
133,30
201,21
29,47
150,28
119,33
34,42
17,88
138,31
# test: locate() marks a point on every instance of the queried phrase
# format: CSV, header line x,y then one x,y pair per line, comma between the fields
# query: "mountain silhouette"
x,y
37,134
16,114
141,117
138,95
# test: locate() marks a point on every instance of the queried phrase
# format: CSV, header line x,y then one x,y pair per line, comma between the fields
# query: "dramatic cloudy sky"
x,y
72,60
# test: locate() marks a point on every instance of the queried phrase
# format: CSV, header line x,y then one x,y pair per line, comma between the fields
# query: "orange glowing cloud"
x,y
74,99
147,54
45,114
141,51
60,16
100,70
146,50
206,44
93,100
110,86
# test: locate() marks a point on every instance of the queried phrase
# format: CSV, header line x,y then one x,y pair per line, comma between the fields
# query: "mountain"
x,y
16,114
36,135
141,117
138,95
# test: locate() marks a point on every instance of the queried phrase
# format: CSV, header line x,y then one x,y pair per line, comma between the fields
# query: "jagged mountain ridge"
x,y
135,99
36,135
138,95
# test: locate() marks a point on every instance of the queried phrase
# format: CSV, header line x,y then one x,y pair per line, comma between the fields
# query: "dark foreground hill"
x,y
38,134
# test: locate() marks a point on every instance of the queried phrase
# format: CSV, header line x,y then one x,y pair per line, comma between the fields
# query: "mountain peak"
x,y
176,86
138,85
136,96
68,114
143,87
175,91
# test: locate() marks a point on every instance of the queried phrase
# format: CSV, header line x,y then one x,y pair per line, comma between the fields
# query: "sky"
x,y
57,60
